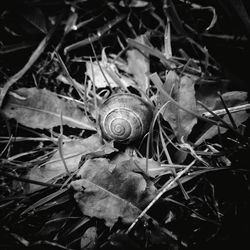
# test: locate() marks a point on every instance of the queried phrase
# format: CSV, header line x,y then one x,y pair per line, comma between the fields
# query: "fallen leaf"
x,y
40,108
154,167
111,191
99,76
94,201
182,90
171,86
72,153
88,238
186,121
138,65
105,73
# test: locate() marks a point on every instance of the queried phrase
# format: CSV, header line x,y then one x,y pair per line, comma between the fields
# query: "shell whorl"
x,y
124,117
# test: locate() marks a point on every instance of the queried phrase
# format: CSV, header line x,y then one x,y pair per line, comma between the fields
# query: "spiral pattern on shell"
x,y
124,118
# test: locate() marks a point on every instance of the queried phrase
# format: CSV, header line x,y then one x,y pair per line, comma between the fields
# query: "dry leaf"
x,y
154,167
94,201
92,68
105,73
72,153
40,108
186,121
111,191
88,238
171,86
138,65
182,90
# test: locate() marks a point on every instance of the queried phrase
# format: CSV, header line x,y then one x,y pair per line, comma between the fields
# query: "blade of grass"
x,y
71,80
45,244
6,146
14,177
45,200
230,109
228,113
4,139
171,12
76,226
60,146
100,32
15,47
171,162
226,125
198,215
151,51
167,40
199,7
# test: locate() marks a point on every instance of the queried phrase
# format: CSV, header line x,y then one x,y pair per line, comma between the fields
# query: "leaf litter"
x,y
42,109
161,191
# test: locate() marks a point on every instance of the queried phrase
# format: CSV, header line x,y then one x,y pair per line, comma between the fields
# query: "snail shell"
x,y
125,117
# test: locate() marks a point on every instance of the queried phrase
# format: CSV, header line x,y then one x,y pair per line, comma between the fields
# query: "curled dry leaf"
x,y
99,76
106,74
111,191
40,108
72,153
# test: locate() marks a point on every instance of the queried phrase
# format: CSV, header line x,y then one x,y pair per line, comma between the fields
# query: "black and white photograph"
x,y
124,124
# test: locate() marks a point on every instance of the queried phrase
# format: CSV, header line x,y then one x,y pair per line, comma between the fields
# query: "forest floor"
x,y
178,179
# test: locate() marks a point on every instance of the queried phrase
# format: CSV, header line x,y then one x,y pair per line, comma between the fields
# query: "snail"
x,y
125,118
